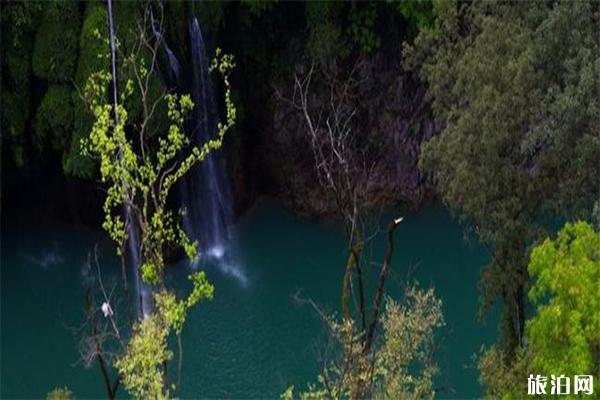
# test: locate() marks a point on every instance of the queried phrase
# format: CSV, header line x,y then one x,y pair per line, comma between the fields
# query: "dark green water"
x,y
252,340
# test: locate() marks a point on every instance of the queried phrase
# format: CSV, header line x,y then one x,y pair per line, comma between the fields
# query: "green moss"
x,y
176,26
54,117
326,39
93,54
21,18
258,7
362,27
90,45
56,42
127,15
420,14
13,124
211,15
18,21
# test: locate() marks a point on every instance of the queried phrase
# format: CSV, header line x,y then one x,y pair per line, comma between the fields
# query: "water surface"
x,y
253,339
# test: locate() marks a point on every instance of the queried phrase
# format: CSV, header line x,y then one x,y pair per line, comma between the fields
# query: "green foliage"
x,y
92,43
18,24
60,393
55,50
258,7
288,394
400,367
563,336
175,311
140,175
93,57
124,13
54,117
21,17
501,377
404,366
202,289
13,122
141,366
326,39
335,28
519,141
420,13
137,181
362,26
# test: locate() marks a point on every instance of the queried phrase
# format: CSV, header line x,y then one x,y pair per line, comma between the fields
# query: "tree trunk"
x,y
380,285
353,259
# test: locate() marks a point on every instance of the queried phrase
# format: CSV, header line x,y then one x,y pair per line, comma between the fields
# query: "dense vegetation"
x,y
520,144
492,107
562,335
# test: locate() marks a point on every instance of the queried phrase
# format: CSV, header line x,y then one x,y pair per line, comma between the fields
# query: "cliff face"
x,y
268,154
391,110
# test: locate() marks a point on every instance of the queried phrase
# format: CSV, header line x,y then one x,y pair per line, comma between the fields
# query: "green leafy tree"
x,y
420,13
515,87
140,167
563,336
564,333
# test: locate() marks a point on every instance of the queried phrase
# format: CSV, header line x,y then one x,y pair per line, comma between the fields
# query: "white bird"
x,y
106,310
398,220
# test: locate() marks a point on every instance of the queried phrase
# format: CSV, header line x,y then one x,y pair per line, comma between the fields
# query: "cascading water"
x,y
142,292
174,68
205,194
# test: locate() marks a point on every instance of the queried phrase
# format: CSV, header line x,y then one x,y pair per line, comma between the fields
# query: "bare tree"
x,y
101,338
345,161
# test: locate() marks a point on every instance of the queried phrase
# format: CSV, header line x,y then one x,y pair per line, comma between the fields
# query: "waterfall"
x,y
205,193
173,63
174,68
142,292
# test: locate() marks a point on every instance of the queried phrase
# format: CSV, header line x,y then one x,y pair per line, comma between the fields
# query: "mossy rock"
x,y
13,125
54,117
176,26
325,39
127,16
18,21
93,51
74,162
56,42
17,61
93,57
211,15
16,100
19,18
